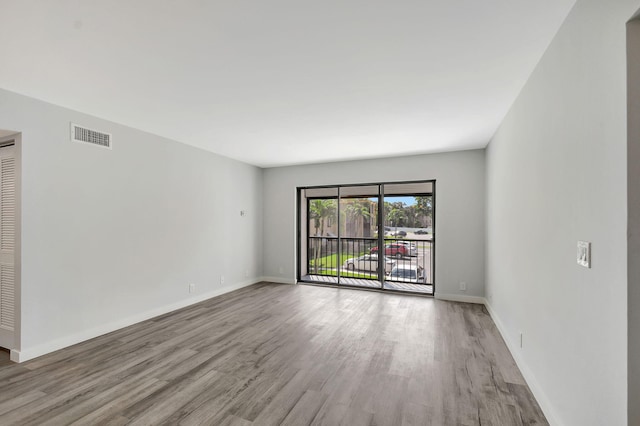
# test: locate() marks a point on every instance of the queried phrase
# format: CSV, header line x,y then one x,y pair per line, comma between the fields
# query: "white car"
x,y
368,262
407,274
410,246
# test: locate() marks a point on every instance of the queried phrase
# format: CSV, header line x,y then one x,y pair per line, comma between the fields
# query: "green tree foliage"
x,y
414,216
397,215
355,211
319,210
424,210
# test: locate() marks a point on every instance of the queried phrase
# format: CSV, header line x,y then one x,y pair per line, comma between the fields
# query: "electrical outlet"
x,y
521,340
221,279
463,286
246,273
281,270
192,288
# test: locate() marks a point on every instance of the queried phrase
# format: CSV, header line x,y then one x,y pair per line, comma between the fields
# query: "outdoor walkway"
x,y
359,282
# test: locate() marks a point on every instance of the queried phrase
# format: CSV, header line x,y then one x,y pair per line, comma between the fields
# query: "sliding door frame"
x,y
380,226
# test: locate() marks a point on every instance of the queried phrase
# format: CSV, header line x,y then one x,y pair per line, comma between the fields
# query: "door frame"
x,y
300,223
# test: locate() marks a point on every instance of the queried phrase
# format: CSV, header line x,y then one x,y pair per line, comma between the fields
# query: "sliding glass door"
x,y
358,212
322,233
408,224
371,235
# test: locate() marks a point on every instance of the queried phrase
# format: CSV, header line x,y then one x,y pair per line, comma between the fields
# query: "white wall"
x,y
633,200
460,208
556,174
110,237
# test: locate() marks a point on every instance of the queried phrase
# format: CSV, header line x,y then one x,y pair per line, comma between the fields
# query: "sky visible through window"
x,y
408,201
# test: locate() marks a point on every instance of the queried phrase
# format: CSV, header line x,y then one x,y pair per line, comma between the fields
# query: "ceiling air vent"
x,y
84,135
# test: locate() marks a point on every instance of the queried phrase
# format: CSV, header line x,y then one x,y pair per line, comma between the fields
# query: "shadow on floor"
x,y
4,357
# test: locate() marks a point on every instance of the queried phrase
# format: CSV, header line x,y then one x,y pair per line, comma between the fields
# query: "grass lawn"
x,y
330,261
327,266
348,274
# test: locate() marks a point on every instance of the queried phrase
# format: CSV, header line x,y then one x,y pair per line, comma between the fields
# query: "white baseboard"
x,y
48,347
279,280
529,377
460,298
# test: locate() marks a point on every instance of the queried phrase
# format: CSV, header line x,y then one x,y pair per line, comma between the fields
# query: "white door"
x,y
7,245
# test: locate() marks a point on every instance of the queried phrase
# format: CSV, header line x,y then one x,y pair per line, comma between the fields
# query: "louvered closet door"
x,y
7,245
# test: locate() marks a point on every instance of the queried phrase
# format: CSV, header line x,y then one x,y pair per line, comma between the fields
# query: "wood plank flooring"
x,y
274,354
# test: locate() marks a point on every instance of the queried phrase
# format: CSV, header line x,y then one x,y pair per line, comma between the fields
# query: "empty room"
x,y
219,212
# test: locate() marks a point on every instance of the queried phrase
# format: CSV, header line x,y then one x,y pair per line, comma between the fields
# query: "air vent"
x,y
84,135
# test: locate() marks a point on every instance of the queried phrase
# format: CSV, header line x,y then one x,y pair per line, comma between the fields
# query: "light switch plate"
x,y
584,254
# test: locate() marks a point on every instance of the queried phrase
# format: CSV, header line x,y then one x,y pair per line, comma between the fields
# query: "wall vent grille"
x,y
7,297
93,137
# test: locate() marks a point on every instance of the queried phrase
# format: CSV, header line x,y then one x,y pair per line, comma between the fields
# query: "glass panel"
x,y
323,236
342,236
408,231
359,217
358,233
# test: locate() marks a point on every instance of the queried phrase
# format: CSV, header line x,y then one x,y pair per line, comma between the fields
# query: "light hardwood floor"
x,y
274,354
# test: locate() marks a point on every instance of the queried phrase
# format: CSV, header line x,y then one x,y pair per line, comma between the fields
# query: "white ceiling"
x,y
283,82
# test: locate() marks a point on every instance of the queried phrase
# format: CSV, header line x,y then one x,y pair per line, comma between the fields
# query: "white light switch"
x,y
584,254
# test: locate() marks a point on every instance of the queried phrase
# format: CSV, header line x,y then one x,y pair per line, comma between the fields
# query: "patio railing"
x,y
405,260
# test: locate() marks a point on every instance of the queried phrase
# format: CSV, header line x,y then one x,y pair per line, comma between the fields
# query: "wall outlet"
x,y
246,273
463,286
520,336
281,270
192,288
221,279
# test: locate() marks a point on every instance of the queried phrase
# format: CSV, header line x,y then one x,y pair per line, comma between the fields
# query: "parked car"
x,y
400,234
393,249
368,262
421,232
410,245
407,274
